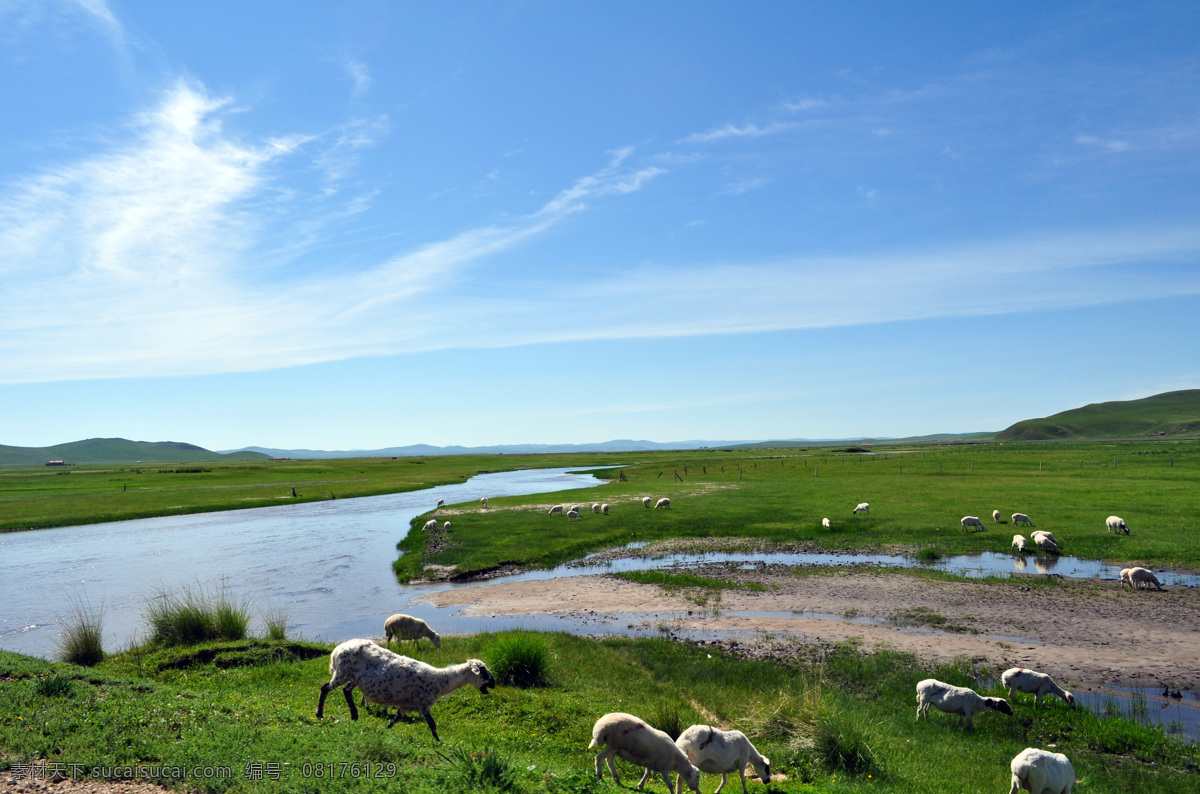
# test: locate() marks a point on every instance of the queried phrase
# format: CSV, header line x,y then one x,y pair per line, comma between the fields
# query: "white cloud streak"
x,y
744,131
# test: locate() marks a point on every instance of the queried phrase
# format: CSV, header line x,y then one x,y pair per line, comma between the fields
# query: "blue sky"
x,y
362,224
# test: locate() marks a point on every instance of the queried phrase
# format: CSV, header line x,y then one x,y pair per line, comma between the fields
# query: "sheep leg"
x,y
348,691
646,776
612,767
666,779
321,702
432,725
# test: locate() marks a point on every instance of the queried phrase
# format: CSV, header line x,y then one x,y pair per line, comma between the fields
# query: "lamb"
x,y
664,502
1019,543
604,509
484,501
1040,772
1021,518
956,700
406,627
1142,576
1116,524
1044,540
996,516
1125,580
1018,679
863,507
720,752
825,522
573,513
973,521
390,679
646,501
626,736
446,527
556,510
596,508
430,525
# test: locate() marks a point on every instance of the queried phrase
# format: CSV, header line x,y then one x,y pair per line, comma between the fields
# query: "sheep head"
x,y
999,704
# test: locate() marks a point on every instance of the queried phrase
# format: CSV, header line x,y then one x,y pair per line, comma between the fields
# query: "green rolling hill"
x,y
1173,413
118,450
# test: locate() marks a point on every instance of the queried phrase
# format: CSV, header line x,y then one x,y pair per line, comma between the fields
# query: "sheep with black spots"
x,y
960,700
1116,524
406,627
631,739
390,679
1040,772
1018,679
719,752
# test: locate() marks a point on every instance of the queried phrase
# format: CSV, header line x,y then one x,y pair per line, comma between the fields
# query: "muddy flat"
x,y
1080,631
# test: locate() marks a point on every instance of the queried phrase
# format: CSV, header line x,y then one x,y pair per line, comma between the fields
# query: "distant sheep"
x,y
1116,524
996,516
556,510
446,527
863,507
430,525
825,522
720,752
664,502
1040,772
1018,679
631,739
604,509
646,501
1044,540
406,627
973,521
441,502
960,700
1142,576
596,508
1019,543
484,502
573,513
1021,518
390,679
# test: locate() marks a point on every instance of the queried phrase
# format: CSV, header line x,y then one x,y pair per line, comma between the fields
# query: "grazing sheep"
x,y
629,738
996,516
573,513
604,509
441,502
664,502
596,508
646,501
973,521
1044,540
1018,679
1019,543
484,501
863,507
960,700
1125,580
825,522
556,510
446,527
406,627
1040,772
390,679
430,525
1021,518
1142,576
1116,524
720,752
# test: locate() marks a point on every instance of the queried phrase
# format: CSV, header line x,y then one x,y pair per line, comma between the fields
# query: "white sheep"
x,y
446,527
956,700
1040,772
441,502
825,522
596,508
390,679
863,507
1116,524
664,502
484,501
973,521
430,525
646,501
720,752
1044,540
1125,580
406,627
1021,518
1018,679
604,509
556,510
1019,543
627,737
573,513
996,516
1142,576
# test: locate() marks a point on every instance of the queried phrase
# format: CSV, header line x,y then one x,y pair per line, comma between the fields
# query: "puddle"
x,y
1176,716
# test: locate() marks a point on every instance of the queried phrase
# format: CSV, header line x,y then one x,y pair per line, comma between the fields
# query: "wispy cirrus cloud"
x,y
360,76
1100,143
734,131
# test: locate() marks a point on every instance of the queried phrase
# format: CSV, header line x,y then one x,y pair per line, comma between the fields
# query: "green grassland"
x,y
838,721
918,496
1172,414
110,450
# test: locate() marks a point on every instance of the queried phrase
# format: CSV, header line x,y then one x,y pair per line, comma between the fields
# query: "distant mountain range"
x,y
1174,413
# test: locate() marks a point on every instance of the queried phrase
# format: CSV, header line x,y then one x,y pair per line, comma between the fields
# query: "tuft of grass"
x,y
55,686
276,621
483,769
83,636
671,718
520,659
193,615
845,741
928,554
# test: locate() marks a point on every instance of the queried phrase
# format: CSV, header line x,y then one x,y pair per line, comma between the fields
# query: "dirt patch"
x,y
43,778
1081,632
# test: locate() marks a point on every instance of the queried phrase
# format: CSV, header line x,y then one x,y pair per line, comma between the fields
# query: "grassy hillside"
x,y
1173,413
118,450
